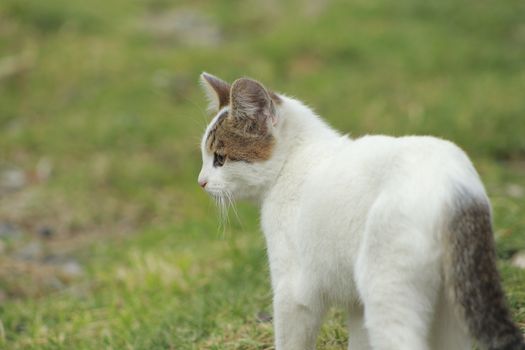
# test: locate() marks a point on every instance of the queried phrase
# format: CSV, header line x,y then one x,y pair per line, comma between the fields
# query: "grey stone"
x,y
31,251
72,269
518,260
9,231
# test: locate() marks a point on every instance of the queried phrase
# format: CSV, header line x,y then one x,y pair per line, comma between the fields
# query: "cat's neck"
x,y
302,138
301,126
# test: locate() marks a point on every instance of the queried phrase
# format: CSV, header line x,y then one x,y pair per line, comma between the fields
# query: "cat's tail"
x,y
472,277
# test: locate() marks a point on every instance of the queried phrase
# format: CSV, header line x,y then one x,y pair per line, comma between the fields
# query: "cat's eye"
x,y
218,160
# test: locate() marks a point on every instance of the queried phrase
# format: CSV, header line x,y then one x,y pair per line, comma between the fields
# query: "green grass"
x,y
112,102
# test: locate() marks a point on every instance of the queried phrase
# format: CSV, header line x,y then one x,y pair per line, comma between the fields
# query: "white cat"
x,y
395,230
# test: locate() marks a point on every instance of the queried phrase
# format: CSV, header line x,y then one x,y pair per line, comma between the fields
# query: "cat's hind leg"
x,y
398,276
448,332
398,307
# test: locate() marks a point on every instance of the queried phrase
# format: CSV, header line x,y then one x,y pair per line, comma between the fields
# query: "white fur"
x,y
357,224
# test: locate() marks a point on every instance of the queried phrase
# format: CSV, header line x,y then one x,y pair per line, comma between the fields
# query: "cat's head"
x,y
239,145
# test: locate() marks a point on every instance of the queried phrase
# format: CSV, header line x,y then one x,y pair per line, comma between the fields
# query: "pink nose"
x,y
203,183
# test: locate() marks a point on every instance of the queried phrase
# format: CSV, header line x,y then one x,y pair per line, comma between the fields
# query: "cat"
x,y
395,230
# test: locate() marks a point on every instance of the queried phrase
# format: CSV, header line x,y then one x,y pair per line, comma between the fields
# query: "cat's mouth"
x,y
222,197
215,192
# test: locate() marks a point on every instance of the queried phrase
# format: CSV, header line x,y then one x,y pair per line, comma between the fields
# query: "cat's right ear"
x,y
217,91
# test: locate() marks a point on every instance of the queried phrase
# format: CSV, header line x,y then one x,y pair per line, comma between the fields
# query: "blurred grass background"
x,y
106,242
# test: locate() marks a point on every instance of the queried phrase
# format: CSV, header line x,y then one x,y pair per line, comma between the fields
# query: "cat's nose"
x,y
203,183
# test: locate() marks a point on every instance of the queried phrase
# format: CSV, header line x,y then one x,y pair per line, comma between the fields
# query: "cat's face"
x,y
238,145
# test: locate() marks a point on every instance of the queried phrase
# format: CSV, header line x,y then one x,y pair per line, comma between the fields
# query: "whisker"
x,y
224,214
232,205
224,201
218,206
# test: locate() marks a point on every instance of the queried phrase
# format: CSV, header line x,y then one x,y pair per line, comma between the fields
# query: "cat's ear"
x,y
250,100
217,91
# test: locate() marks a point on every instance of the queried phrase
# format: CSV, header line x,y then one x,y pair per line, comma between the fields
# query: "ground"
x,y
107,242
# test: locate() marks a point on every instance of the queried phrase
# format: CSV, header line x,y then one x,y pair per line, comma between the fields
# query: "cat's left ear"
x,y
250,100
217,91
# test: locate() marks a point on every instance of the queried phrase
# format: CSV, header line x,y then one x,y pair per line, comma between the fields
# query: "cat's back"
x,y
366,167
379,156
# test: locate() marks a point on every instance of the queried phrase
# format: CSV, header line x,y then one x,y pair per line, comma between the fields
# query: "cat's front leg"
x,y
297,316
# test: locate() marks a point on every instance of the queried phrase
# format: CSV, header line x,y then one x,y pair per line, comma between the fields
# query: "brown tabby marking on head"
x,y
250,99
240,139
